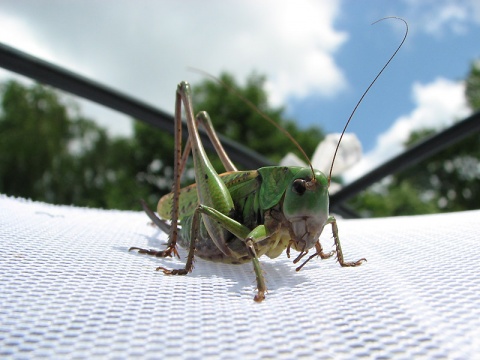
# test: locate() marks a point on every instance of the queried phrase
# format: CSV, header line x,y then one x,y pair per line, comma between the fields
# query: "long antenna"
x,y
368,89
256,109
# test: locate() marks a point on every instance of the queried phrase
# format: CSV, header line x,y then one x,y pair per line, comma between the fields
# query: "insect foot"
x,y
321,253
157,253
353,263
173,271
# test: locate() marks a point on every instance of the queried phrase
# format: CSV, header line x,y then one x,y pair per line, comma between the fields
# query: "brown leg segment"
x,y
191,252
339,251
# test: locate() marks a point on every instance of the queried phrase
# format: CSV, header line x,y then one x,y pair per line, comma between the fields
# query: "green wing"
x,y
239,183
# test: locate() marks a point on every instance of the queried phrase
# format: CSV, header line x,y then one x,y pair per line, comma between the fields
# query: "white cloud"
x,y
437,16
17,33
145,48
438,105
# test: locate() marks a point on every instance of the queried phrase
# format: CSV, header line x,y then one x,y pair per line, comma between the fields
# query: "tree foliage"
x,y
473,86
50,152
233,118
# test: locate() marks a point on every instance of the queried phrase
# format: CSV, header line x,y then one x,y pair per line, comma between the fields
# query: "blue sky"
x,y
318,56
427,55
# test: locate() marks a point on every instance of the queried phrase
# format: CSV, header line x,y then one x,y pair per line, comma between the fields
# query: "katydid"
x,y
238,216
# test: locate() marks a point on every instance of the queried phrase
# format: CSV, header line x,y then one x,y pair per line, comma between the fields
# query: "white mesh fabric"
x,y
69,288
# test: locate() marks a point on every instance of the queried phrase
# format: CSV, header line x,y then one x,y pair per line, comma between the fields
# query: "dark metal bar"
x,y
410,157
42,71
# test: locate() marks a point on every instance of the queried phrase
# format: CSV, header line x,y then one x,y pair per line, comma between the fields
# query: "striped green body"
x,y
258,199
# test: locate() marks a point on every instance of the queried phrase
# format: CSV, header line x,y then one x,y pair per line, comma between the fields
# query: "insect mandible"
x,y
238,216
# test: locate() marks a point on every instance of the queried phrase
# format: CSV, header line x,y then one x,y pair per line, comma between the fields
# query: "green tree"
x,y
50,152
235,119
34,130
153,155
473,86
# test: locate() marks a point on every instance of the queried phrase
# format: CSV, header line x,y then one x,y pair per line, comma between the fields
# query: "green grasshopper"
x,y
238,216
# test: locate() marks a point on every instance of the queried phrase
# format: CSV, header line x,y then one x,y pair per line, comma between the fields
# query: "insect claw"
x,y
175,252
167,252
173,271
326,256
353,263
145,251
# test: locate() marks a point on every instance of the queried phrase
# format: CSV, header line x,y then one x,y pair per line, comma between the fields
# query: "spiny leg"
x,y
261,286
191,252
338,247
205,176
210,188
208,181
179,165
251,237
204,119
177,173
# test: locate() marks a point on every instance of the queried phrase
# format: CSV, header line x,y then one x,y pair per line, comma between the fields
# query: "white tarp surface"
x,y
70,289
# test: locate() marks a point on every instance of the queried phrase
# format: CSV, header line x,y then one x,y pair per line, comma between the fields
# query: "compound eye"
x,y
299,186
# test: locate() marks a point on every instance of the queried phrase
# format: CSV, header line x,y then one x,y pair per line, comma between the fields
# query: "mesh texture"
x,y
70,288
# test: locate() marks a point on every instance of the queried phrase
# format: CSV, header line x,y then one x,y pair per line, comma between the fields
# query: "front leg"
x,y
251,237
261,286
239,230
333,221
